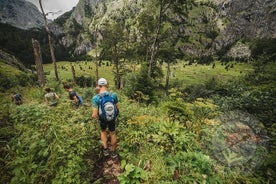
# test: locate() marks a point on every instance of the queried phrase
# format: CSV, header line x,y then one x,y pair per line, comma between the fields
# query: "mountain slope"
x,y
246,19
20,14
235,20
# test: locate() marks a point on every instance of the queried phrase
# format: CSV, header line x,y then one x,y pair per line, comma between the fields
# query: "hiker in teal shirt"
x,y
106,124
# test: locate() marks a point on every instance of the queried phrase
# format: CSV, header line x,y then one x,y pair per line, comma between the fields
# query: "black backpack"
x,y
17,97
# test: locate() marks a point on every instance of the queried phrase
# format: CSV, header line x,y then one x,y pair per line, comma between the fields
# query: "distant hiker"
x,y
51,98
16,98
105,108
76,100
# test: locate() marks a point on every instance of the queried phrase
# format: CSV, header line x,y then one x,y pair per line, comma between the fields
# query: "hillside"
x,y
211,28
21,14
224,22
13,73
195,135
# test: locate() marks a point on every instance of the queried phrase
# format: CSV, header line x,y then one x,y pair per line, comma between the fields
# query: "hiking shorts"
x,y
110,125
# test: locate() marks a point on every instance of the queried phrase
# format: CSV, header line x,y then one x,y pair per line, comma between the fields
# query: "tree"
x,y
113,47
202,31
50,41
166,8
38,62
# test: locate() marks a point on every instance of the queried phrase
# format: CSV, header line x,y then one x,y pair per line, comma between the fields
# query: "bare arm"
x,y
94,113
76,99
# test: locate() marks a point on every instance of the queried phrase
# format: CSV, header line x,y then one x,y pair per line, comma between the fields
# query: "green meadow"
x,y
188,74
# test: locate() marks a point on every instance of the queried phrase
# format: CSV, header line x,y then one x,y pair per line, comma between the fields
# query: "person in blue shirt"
x,y
111,125
75,101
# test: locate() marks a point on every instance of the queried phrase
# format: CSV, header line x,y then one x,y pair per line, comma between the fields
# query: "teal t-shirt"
x,y
95,100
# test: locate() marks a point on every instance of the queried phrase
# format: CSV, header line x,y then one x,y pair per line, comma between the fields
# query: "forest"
x,y
188,114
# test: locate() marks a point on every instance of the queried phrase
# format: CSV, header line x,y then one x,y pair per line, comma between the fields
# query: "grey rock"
x,y
20,14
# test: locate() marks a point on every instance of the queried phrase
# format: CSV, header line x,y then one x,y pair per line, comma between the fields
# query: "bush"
x,y
49,144
140,87
192,167
85,81
17,80
194,91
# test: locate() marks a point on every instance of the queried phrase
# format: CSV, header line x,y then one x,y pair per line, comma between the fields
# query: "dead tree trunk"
x,y
38,62
50,41
73,73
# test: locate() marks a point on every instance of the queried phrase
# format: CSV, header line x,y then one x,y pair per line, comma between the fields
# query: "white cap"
x,y
102,82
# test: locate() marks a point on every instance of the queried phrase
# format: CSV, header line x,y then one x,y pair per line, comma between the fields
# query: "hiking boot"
x,y
114,154
106,152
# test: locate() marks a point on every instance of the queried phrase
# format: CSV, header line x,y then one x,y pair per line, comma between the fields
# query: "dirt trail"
x,y
106,170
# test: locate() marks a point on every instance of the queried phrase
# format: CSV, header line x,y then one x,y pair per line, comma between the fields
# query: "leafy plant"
x,y
49,146
178,110
132,175
193,167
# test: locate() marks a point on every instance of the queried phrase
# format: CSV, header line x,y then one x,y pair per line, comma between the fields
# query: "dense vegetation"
x,y
185,117
183,136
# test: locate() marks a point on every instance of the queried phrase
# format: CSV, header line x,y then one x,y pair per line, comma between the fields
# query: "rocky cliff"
x,y
20,14
76,27
236,20
246,19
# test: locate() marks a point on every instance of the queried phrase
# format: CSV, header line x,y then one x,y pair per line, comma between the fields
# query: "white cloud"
x,y
59,6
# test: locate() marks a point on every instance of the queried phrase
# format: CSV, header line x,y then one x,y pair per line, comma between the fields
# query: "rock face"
x,y
237,19
246,19
76,28
240,18
20,14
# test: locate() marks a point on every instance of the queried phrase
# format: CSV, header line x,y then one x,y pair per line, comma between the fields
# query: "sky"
x,y
60,6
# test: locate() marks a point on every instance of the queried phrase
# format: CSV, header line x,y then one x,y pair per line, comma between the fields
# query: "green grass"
x,y
8,70
196,74
189,74
65,71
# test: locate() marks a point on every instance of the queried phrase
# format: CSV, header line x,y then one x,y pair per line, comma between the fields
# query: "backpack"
x,y
53,95
18,98
107,108
80,99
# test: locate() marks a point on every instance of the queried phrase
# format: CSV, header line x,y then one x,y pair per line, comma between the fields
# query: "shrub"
x,y
140,87
192,167
49,145
85,81
194,91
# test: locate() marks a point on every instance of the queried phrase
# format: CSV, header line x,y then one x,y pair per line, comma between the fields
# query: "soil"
x,y
106,170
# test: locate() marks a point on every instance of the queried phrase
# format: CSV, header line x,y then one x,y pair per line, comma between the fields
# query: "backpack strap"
x,y
101,95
